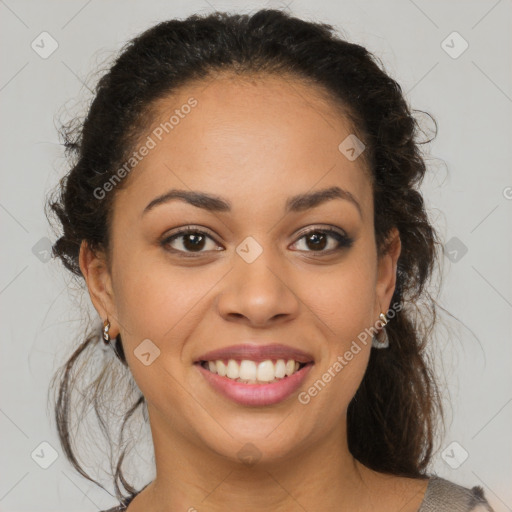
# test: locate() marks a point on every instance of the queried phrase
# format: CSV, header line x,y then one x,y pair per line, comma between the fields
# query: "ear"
x,y
97,276
386,273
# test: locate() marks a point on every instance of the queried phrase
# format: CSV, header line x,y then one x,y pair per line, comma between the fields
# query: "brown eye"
x,y
193,241
188,240
324,240
317,241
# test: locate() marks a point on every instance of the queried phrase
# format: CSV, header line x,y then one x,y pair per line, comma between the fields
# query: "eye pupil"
x,y
319,240
196,240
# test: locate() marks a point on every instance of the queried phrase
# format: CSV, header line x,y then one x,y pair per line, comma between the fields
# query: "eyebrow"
x,y
214,203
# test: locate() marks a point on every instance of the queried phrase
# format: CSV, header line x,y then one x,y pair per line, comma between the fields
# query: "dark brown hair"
x,y
392,419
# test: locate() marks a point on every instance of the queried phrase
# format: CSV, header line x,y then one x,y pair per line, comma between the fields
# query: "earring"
x,y
106,335
381,340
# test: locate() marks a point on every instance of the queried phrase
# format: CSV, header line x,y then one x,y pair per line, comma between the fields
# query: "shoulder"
x,y
444,495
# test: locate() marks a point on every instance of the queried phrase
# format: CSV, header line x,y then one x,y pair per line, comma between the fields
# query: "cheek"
x,y
155,300
345,305
346,313
163,305
344,298
331,393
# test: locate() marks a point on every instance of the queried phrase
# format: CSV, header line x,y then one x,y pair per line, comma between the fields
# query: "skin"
x,y
255,142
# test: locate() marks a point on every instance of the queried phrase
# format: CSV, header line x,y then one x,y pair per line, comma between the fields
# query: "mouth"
x,y
248,371
255,375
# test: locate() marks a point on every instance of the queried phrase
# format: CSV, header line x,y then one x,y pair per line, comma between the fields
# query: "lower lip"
x,y
256,394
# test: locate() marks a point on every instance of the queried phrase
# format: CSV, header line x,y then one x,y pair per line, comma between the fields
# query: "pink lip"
x,y
255,394
257,353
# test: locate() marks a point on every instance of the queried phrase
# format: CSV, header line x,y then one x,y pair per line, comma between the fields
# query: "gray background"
x,y
468,192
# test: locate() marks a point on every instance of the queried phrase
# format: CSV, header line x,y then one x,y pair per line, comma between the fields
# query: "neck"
x,y
193,478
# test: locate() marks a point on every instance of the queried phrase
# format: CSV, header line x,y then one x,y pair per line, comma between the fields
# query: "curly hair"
x,y
393,417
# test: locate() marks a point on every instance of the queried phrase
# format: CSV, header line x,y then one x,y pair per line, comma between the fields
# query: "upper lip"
x,y
257,353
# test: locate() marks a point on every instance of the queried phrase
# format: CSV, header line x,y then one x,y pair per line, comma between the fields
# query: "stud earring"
x,y
381,340
106,335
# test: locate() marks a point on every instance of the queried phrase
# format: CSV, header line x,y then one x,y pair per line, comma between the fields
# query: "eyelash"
x,y
344,242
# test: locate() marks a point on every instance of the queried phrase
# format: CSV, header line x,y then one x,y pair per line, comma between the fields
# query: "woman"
x,y
243,207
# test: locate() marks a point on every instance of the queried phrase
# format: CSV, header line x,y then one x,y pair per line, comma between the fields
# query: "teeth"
x,y
290,367
251,372
220,366
233,371
248,370
280,369
266,371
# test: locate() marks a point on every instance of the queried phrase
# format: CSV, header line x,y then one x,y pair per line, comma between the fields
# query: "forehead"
x,y
265,135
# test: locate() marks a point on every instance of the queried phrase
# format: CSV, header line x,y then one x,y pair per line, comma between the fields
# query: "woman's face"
x,y
248,283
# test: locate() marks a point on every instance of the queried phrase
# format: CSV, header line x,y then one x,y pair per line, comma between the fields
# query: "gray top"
x,y
441,496
445,496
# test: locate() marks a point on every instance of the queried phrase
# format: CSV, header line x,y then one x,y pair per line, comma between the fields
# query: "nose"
x,y
258,294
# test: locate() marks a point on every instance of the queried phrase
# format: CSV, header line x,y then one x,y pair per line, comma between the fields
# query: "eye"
x,y
316,240
188,240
